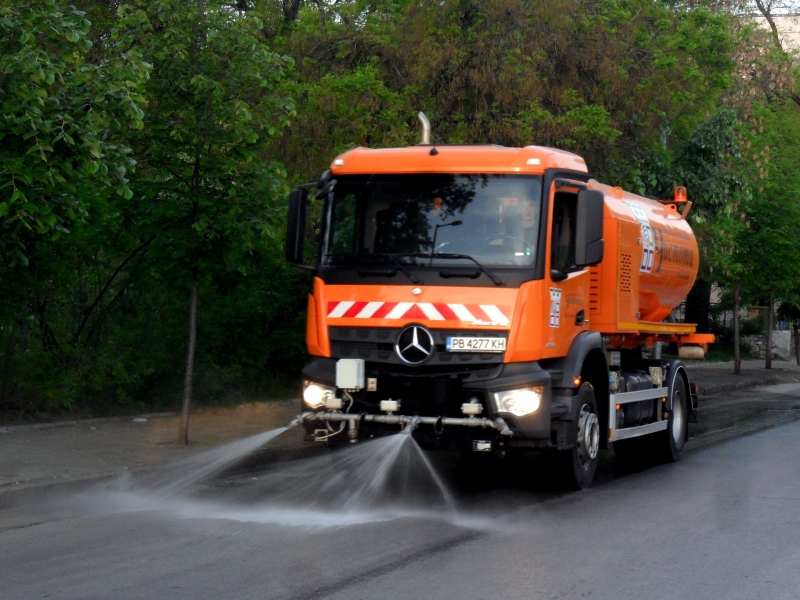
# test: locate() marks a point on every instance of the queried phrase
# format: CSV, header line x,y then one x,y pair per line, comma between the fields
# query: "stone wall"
x,y
782,344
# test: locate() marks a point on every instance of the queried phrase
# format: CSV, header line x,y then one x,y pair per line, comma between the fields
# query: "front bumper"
x,y
354,420
433,396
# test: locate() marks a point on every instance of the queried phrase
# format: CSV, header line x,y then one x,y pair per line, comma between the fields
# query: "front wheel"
x,y
579,463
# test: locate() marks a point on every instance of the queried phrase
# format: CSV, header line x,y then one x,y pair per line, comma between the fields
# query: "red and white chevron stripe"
x,y
488,313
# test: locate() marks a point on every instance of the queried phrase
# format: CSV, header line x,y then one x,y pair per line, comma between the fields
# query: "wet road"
x,y
722,523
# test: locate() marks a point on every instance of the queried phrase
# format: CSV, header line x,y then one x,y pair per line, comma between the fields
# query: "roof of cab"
x,y
455,159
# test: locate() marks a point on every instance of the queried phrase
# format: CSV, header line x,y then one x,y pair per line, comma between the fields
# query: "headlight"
x,y
519,402
315,394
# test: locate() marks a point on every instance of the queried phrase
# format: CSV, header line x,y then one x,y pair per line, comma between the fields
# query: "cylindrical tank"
x,y
663,249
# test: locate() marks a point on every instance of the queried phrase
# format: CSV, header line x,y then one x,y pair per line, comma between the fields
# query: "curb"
x,y
738,385
55,424
13,495
712,438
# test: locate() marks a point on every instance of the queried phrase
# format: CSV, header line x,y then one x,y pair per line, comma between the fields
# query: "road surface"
x,y
722,523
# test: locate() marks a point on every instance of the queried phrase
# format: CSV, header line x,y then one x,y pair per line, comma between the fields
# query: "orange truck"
x,y
495,300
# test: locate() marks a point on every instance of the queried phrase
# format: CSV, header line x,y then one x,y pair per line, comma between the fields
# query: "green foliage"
x,y
713,166
218,107
600,78
725,352
208,191
63,122
98,320
768,247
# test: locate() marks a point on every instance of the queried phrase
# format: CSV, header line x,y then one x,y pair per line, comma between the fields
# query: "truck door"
x,y
568,284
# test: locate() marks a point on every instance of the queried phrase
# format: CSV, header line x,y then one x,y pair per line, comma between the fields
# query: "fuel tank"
x,y
650,263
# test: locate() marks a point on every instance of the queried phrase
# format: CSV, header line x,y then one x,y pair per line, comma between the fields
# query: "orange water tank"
x,y
650,263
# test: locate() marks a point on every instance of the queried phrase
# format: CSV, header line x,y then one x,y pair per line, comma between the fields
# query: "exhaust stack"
x,y
426,129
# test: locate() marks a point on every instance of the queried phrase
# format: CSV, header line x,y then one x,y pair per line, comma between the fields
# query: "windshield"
x,y
421,219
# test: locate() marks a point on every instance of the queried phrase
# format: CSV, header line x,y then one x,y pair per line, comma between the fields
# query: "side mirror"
x,y
296,226
589,228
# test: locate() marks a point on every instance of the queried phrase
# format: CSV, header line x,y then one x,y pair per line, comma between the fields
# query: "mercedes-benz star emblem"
x,y
414,345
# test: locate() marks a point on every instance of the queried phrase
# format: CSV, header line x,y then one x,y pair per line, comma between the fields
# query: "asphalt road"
x,y
722,523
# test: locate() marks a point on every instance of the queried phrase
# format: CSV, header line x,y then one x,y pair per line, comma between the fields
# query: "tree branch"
x,y
765,10
88,311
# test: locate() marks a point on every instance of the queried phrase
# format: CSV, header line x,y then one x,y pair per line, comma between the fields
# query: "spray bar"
x,y
412,421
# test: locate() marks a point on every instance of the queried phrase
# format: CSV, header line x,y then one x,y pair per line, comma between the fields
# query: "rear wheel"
x,y
579,464
672,441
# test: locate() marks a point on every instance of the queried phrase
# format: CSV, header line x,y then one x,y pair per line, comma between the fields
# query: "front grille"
x,y
376,344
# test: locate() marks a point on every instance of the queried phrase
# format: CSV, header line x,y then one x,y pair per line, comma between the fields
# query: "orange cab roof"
x,y
455,159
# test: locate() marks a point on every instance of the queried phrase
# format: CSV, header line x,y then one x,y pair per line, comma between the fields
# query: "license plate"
x,y
476,344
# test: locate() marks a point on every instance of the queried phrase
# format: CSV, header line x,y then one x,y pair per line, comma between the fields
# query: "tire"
x,y
578,464
672,441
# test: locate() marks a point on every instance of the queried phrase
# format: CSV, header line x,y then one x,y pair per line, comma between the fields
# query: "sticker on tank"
x,y
648,241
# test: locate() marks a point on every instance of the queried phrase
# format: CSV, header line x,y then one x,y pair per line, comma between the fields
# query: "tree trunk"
x,y
291,8
183,431
737,355
770,316
797,341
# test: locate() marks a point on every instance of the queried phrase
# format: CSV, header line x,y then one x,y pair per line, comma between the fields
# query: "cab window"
x,y
562,247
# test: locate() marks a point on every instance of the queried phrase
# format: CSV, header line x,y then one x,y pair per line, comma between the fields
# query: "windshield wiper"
x,y
391,257
401,266
433,255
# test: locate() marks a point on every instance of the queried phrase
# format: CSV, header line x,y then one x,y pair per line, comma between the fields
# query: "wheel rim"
x,y
588,436
677,418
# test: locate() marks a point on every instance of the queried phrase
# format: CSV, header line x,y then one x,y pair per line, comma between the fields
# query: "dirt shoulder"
x,y
76,450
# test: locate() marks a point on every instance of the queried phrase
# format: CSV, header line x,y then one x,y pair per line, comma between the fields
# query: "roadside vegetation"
x,y
147,149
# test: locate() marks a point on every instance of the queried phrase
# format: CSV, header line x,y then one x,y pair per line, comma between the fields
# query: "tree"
x,y
768,248
713,166
205,193
599,78
63,122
